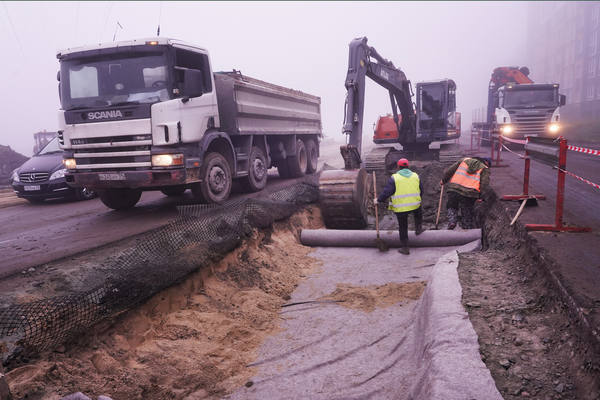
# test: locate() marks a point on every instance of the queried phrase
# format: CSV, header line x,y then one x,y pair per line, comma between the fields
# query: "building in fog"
x,y
563,46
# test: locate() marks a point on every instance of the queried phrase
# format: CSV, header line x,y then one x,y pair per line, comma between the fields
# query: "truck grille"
x,y
33,177
530,124
116,152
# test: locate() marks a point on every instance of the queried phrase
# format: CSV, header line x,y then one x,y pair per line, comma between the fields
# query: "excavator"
x,y
343,193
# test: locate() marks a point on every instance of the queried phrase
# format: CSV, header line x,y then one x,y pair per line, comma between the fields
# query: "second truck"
x,y
151,114
517,107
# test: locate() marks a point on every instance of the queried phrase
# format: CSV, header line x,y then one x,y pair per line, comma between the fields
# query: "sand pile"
x,y
368,298
191,341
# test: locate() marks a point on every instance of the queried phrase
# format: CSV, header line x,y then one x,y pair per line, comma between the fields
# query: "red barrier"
x,y
525,194
560,199
496,140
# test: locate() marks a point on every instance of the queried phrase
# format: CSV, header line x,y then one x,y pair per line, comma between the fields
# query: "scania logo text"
x,y
105,114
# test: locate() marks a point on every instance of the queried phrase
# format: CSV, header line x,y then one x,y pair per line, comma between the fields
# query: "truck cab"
x,y
150,114
528,110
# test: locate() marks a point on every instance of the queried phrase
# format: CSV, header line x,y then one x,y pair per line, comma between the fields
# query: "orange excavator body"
x,y
386,130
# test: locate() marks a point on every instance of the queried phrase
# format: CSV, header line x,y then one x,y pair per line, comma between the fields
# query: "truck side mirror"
x,y
192,83
563,99
58,75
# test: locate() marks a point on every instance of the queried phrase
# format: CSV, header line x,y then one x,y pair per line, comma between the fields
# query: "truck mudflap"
x,y
131,179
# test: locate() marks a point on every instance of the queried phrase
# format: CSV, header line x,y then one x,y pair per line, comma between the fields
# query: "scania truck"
x,y
518,107
150,114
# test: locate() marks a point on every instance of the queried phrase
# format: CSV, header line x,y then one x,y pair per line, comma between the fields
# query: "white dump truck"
x,y
150,114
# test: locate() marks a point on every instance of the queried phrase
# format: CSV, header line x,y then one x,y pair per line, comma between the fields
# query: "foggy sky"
x,y
303,45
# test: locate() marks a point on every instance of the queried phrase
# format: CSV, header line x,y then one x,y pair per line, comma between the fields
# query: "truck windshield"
x,y
109,81
530,98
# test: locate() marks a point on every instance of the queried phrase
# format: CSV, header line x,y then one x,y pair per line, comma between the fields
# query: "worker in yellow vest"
x,y
466,180
404,189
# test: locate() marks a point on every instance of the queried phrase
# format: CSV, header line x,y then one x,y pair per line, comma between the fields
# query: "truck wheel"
x,y
120,199
174,190
312,153
257,171
216,180
298,163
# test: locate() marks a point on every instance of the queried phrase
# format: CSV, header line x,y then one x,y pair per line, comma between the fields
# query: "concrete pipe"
x,y
366,238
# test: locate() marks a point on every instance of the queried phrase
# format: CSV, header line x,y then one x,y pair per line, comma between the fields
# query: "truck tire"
x,y
216,180
257,171
312,153
297,164
120,199
173,190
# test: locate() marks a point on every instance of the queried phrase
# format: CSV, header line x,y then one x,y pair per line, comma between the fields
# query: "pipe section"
x,y
366,238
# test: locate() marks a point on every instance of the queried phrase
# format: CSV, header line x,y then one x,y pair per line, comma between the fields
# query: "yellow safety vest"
x,y
408,195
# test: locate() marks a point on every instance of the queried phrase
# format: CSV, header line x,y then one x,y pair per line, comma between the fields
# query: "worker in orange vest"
x,y
466,180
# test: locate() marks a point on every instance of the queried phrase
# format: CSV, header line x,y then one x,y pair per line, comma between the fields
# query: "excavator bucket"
x,y
343,196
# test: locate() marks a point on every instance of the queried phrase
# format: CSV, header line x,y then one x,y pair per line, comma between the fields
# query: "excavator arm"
x,y
364,61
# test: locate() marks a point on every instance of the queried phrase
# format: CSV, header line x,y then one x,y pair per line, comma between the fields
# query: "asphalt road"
x,y
31,235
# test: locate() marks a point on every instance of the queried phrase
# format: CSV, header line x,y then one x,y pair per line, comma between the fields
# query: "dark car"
x,y
43,177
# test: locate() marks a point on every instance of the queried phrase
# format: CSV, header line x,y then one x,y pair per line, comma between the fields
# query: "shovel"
x,y
380,243
437,218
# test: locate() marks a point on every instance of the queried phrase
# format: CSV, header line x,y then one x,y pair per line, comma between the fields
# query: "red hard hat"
x,y
403,162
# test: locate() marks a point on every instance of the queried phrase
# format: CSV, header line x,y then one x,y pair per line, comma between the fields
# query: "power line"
x,y
14,31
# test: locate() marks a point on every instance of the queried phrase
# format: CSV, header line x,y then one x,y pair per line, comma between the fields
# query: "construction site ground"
x,y
230,331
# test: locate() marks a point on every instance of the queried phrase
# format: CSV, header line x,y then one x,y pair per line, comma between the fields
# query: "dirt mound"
x,y
191,341
9,160
368,298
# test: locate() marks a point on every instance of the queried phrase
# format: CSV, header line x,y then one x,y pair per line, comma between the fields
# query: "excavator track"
x,y
343,196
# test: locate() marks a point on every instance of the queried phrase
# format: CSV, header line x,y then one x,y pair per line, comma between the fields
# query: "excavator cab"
x,y
437,118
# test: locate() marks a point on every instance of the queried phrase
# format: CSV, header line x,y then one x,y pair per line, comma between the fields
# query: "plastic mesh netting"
x,y
201,235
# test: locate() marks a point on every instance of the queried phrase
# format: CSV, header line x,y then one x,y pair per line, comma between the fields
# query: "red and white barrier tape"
x,y
579,178
584,150
514,140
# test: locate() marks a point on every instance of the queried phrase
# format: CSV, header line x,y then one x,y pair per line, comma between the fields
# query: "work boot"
x,y
452,214
418,230
404,250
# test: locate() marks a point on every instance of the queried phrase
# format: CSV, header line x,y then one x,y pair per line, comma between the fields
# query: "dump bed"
x,y
251,106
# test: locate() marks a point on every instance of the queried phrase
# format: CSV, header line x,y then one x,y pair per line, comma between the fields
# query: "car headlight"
x,y
58,174
553,128
167,160
15,176
507,129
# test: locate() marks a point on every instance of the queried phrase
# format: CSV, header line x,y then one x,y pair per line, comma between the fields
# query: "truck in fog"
x,y
518,107
151,114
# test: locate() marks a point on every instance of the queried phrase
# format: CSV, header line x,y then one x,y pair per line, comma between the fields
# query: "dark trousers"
x,y
465,204
403,223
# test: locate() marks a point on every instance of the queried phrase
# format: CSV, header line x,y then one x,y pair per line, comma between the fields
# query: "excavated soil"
x,y
368,298
531,344
191,341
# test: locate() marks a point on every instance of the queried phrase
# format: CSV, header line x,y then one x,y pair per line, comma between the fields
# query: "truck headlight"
x,y
15,176
167,160
506,129
70,163
553,128
58,174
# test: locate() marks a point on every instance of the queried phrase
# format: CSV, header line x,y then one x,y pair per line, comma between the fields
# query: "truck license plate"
x,y
118,176
31,188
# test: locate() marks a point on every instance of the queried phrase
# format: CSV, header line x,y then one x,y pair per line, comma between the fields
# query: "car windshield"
x,y
109,81
530,98
50,147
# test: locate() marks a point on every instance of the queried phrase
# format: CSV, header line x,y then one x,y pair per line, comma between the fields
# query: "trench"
x,y
243,326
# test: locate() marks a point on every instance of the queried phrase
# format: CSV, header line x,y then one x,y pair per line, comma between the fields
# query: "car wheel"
x,y
85,194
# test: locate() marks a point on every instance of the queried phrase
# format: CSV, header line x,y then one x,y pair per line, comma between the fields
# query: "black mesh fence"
x,y
201,235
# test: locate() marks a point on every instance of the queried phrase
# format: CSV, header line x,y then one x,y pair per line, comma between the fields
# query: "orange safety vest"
x,y
463,178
